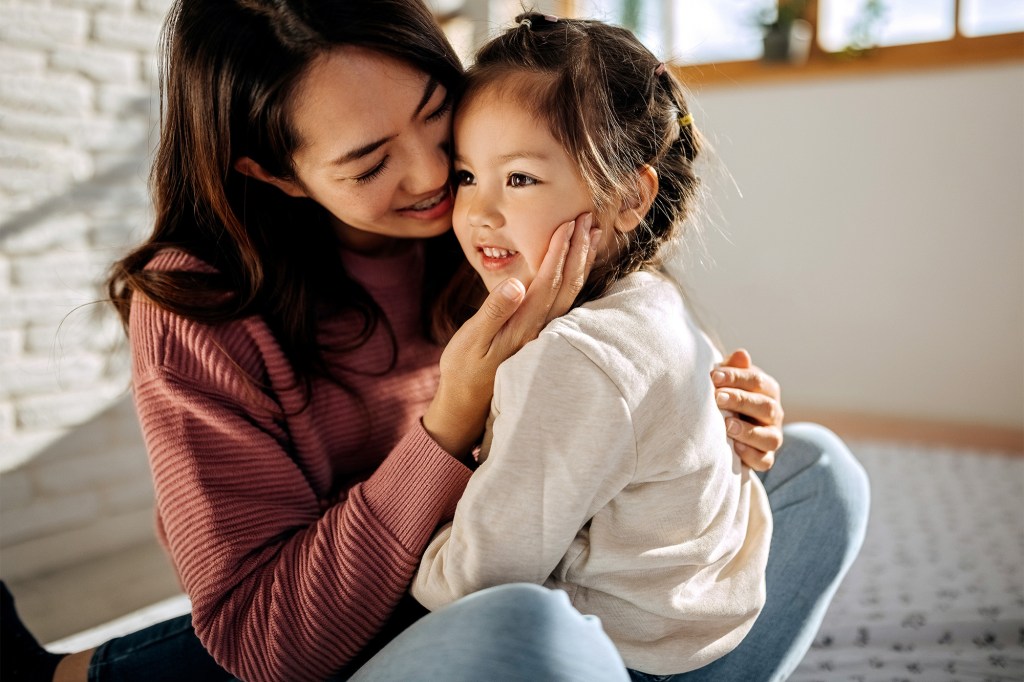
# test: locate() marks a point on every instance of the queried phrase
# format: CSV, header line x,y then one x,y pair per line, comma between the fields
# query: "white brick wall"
x,y
77,111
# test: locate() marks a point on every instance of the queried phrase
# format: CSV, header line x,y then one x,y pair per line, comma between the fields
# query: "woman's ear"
x,y
247,166
632,212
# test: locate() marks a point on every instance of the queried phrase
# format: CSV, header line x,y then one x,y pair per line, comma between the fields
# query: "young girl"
x,y
585,483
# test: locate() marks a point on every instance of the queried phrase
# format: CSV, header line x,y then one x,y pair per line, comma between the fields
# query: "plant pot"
x,y
788,43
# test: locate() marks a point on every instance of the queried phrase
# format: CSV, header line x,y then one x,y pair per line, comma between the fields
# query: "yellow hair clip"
x,y
685,120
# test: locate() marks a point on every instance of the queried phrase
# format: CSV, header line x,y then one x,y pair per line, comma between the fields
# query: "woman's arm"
x,y
283,587
753,395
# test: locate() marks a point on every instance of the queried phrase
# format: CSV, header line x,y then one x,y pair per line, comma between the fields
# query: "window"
x,y
722,40
991,17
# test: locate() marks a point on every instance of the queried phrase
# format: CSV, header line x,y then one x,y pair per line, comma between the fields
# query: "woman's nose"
x,y
429,168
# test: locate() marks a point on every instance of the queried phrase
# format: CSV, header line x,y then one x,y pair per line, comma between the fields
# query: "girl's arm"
x,y
751,393
561,447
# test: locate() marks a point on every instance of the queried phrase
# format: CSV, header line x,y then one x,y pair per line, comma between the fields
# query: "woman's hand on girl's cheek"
x,y
755,398
576,266
508,318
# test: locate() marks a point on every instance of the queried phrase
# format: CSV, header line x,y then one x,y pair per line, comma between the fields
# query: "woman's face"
x,y
374,136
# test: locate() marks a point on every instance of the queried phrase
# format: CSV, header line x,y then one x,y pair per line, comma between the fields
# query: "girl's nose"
x,y
483,211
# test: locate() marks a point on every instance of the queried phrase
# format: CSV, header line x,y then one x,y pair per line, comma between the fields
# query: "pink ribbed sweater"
x,y
294,532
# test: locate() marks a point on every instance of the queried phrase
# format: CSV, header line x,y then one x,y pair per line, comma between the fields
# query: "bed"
x,y
937,593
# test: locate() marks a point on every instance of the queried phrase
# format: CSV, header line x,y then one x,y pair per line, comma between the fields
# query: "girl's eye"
x,y
373,172
463,178
520,180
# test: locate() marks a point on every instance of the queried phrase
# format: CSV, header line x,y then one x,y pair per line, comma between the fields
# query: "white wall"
x,y
76,117
875,262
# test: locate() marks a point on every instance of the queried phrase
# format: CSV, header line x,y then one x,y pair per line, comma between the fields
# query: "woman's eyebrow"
x,y
360,152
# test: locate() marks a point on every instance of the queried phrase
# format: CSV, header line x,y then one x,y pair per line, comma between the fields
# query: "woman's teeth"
x,y
492,252
429,203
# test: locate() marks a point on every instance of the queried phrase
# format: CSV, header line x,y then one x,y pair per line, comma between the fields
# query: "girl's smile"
x,y
514,184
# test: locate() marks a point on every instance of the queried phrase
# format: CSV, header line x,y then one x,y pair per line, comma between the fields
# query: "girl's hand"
x,y
508,318
755,397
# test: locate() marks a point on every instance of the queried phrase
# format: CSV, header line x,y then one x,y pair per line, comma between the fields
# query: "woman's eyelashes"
x,y
374,172
436,115
439,113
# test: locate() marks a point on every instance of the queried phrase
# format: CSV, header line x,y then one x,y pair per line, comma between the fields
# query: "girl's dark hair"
x,y
228,71
614,108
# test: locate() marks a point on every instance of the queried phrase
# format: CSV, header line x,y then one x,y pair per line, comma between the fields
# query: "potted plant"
x,y
787,33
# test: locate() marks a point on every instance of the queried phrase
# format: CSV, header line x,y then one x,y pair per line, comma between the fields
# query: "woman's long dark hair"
x,y
228,70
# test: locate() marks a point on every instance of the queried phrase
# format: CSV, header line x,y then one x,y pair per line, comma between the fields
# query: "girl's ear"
x,y
632,212
247,166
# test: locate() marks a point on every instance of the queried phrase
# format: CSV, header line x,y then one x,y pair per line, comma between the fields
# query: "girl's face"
x,y
514,185
374,134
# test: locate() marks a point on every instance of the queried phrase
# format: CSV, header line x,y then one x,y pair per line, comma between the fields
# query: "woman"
x,y
304,443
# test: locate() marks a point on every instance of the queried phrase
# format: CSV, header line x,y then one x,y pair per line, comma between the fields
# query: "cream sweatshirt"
x,y
606,472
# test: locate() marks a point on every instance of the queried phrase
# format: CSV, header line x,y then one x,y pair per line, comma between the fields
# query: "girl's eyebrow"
x,y
360,152
511,156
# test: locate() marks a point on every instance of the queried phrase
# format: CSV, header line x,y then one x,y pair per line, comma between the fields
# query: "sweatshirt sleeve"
x,y
281,587
562,446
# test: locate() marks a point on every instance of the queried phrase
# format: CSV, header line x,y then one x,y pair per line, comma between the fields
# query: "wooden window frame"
x,y
958,51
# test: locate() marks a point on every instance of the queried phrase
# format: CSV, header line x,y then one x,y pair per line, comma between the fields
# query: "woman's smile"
x,y
433,207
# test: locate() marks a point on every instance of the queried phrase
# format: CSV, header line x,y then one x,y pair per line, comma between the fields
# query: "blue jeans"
x,y
819,498
513,633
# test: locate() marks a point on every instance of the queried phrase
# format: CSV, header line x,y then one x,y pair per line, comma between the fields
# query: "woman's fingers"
x,y
758,408
756,445
531,316
499,306
751,379
578,263
755,398
739,358
758,460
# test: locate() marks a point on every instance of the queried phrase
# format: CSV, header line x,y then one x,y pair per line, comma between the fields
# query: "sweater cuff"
x,y
415,488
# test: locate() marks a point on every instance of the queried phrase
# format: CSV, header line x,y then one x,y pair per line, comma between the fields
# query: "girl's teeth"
x,y
492,252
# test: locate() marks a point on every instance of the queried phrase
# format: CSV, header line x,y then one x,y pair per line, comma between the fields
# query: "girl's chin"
x,y
491,282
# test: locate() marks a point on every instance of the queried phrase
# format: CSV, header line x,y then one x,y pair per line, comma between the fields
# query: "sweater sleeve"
x,y
562,446
281,588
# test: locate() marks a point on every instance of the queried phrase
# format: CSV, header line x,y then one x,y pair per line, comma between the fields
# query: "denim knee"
x,y
522,600
840,485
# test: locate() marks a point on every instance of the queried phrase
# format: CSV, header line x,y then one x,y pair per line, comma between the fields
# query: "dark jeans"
x,y
165,652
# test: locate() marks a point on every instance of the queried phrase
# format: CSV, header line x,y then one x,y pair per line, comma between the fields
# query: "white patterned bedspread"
x,y
937,593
